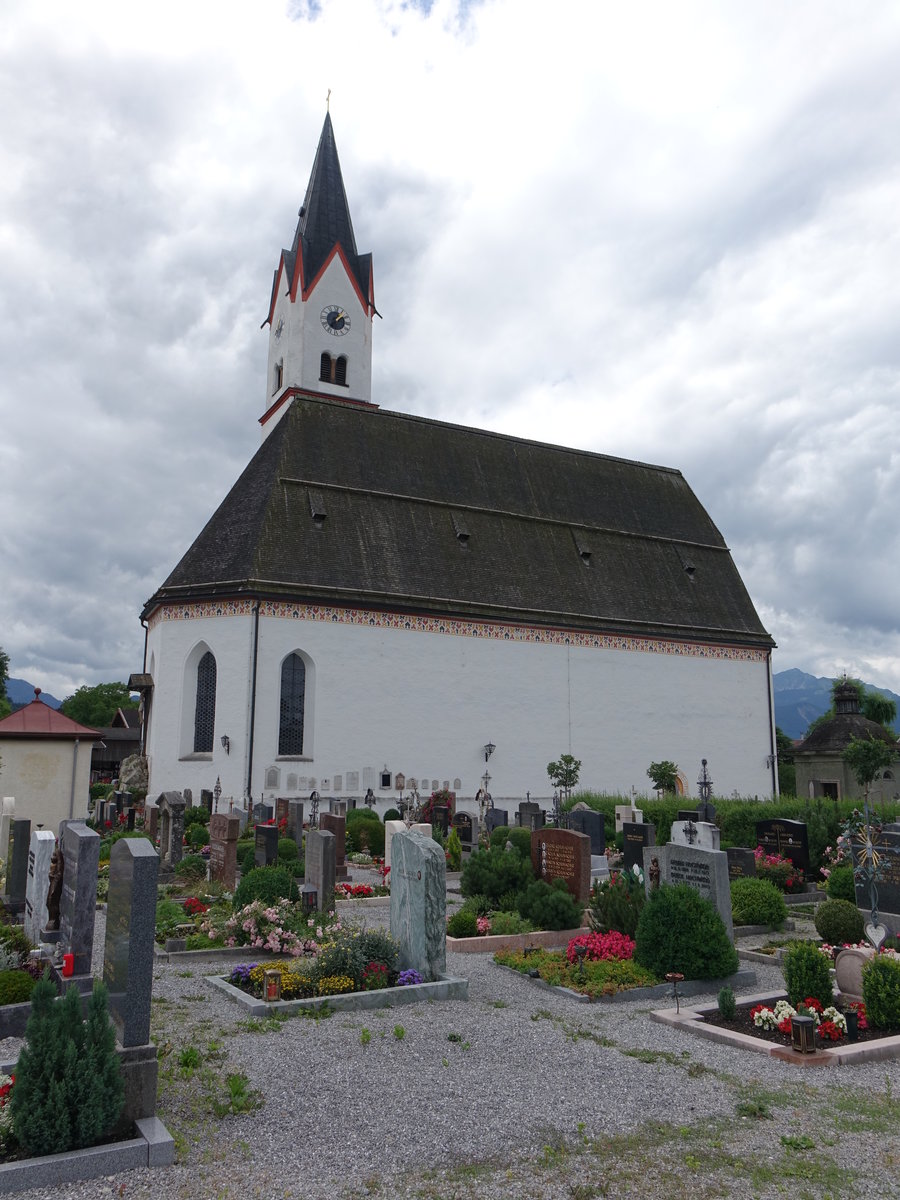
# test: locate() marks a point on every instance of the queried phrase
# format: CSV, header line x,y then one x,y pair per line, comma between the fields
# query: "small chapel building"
x,y
385,599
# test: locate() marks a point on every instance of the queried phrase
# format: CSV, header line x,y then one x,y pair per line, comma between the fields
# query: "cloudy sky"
x,y
662,231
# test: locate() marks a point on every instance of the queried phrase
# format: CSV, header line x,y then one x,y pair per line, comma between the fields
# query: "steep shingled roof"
x,y
348,505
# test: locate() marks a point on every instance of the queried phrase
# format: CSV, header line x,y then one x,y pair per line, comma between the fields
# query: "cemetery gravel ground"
x,y
517,1092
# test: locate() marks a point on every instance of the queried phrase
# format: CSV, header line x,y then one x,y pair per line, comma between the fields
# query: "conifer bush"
x,y
679,930
493,872
268,884
881,992
807,972
757,902
840,884
549,907
15,986
69,1089
838,921
616,904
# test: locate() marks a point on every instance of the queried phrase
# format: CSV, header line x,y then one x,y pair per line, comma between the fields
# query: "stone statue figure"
x,y
654,873
54,892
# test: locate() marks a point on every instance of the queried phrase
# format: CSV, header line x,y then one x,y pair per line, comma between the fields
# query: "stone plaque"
x,y
704,870
130,932
266,854
566,855
586,820
224,831
638,835
320,863
338,826
419,904
787,838
81,855
39,854
741,863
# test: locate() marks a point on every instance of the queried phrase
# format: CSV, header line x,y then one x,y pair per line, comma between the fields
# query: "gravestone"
x,y
528,811
463,824
566,855
151,821
586,820
419,904
320,863
261,813
206,799
440,816
391,828
81,855
7,813
637,836
171,829
695,833
627,814
188,798
706,871
295,822
243,816
40,851
888,885
741,863
224,831
100,816
787,838
130,932
17,864
282,809
266,852
338,826
130,814
599,868
496,818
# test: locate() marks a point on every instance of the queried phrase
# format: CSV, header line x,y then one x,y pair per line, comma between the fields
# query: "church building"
x,y
385,601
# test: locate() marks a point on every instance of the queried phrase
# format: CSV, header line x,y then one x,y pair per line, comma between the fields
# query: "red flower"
x,y
812,1003
785,1026
829,1032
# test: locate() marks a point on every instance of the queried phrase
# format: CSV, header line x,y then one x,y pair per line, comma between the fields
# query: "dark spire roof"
x,y
325,218
360,506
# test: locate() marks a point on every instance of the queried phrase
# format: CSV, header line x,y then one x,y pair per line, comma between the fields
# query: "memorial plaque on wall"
x,y
787,838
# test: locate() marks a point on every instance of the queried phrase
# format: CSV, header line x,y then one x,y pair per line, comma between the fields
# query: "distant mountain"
x,y
800,698
20,692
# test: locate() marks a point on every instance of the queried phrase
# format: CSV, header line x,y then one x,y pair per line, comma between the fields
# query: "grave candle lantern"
x,y
803,1035
272,986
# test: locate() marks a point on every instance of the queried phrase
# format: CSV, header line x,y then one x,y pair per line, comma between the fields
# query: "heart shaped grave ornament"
x,y
876,934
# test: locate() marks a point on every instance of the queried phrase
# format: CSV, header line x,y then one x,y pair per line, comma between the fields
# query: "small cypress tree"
x,y
35,1102
104,1089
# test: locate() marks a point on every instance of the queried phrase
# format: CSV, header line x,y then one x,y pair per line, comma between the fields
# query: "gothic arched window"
x,y
340,371
205,705
293,695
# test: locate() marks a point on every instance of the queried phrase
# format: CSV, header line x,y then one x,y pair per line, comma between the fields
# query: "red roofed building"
x,y
45,763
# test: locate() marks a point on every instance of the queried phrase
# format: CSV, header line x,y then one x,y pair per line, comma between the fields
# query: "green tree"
x,y
664,776
787,772
5,706
564,773
96,706
879,708
867,758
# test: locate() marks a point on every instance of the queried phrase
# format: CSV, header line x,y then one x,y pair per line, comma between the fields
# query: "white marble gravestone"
x,y
40,852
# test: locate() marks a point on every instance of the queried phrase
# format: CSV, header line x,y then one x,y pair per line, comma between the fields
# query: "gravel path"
x,y
516,1092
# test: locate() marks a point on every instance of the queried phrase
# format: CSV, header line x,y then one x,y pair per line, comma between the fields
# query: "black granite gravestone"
x,y
787,838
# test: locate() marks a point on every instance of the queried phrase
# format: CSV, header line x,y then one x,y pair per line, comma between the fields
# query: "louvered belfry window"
x,y
205,707
293,692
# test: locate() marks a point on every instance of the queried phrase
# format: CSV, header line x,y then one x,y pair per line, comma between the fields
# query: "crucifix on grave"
x,y
690,832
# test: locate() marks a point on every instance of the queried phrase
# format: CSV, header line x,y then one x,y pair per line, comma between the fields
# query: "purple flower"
x,y
407,978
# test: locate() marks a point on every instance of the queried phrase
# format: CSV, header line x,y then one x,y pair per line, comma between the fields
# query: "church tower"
x,y
323,300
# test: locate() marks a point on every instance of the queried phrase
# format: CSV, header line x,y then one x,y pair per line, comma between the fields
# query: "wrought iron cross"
x,y
690,832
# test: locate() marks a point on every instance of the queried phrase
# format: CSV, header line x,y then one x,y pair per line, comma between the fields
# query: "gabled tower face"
x,y
320,313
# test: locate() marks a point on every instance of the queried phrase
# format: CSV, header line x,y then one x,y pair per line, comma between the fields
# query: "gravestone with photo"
x,y
224,831
586,820
81,858
741,863
419,904
566,855
338,826
40,852
637,836
266,843
320,864
706,871
786,838
130,933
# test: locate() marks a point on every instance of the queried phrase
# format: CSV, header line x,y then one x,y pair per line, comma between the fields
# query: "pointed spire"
x,y
325,215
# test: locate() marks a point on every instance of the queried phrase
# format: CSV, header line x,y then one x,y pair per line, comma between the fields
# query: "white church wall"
x,y
425,704
334,287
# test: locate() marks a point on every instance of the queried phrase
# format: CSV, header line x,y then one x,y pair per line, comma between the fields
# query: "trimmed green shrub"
x,y
680,930
757,902
198,835
463,924
365,832
807,972
195,816
493,872
15,986
192,866
840,885
509,922
727,1003
393,814
287,850
881,992
520,838
246,859
616,904
838,921
268,884
69,1089
549,907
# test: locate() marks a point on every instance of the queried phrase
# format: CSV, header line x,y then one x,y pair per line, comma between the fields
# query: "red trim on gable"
x,y
291,392
274,300
337,249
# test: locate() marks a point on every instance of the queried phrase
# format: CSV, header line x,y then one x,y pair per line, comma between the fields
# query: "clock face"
x,y
335,320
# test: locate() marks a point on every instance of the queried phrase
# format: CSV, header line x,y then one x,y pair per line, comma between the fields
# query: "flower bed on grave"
x,y
593,964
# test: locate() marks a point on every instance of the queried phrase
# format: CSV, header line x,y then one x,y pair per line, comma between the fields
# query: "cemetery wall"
x,y
432,700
